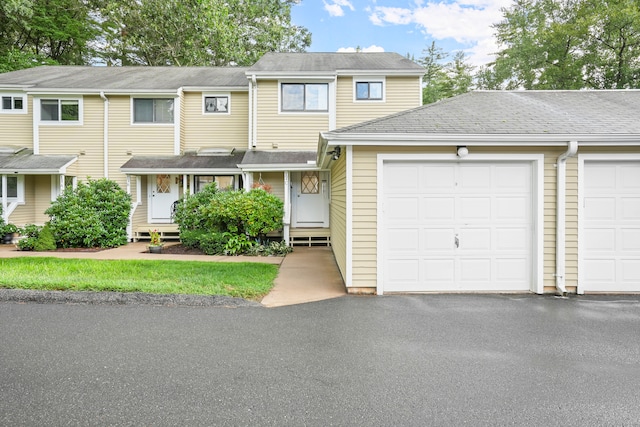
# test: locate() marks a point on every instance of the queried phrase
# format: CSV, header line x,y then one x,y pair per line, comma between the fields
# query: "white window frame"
x,y
236,181
20,189
13,96
38,107
305,82
369,79
216,95
175,112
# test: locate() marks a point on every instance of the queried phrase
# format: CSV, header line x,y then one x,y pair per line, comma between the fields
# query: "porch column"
x,y
133,208
5,213
287,206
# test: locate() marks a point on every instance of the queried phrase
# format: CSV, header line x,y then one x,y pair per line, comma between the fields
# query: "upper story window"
x,y
305,97
368,89
216,104
153,110
60,110
13,104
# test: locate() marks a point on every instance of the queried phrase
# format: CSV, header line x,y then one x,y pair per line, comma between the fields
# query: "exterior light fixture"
x,y
335,154
462,151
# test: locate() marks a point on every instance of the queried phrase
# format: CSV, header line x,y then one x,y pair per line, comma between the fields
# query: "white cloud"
x,y
466,21
335,8
372,48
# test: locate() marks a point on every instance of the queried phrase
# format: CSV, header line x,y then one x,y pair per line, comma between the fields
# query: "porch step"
x,y
309,241
166,233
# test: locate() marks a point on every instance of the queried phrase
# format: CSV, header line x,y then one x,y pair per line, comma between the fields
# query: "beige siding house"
x,y
492,192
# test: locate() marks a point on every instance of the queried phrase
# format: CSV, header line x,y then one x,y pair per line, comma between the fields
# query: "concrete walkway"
x,y
306,274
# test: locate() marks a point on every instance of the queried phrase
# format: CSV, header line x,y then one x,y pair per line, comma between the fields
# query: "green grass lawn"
x,y
242,279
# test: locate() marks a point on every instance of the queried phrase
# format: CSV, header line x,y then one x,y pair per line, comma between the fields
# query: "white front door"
x,y
457,226
310,199
163,191
611,227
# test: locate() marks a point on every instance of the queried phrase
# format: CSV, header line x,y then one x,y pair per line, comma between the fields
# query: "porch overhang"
x,y
278,161
187,164
22,161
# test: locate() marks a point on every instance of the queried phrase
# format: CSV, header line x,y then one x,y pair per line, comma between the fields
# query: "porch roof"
x,y
22,161
209,163
278,160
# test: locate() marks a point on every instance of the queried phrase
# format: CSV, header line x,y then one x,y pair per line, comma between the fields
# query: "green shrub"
x,y
254,213
95,214
211,243
45,240
30,234
188,214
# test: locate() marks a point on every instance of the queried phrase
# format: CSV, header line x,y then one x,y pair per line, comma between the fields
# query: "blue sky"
x,y
402,26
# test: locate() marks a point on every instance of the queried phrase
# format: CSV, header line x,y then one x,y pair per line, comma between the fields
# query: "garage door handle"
x,y
457,241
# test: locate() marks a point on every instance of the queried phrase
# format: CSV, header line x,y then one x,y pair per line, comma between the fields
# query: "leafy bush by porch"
x,y
94,214
228,222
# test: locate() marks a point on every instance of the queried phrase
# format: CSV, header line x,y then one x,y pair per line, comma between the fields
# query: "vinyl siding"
x,y
84,141
365,210
402,93
42,185
216,130
17,129
338,213
289,131
274,179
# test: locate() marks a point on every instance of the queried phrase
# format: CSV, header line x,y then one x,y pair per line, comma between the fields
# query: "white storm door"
x,y
457,227
611,221
310,199
163,191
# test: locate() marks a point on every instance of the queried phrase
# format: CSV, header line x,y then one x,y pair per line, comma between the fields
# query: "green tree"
x,y
35,32
197,32
566,44
445,79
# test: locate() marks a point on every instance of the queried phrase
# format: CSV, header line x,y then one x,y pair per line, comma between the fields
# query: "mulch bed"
x,y
180,249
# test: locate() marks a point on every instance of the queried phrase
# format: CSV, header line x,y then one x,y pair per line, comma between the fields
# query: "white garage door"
x,y
457,226
611,221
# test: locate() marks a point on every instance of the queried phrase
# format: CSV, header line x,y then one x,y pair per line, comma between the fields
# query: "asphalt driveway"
x,y
391,360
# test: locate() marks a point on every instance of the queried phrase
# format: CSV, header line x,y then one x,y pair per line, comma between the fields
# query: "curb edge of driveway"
x,y
122,298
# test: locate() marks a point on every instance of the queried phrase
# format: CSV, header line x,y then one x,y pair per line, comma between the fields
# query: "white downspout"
x,y
561,189
287,207
105,134
254,113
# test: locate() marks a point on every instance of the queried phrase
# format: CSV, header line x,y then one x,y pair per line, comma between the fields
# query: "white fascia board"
x,y
171,171
394,73
54,91
216,88
279,75
13,87
279,168
475,139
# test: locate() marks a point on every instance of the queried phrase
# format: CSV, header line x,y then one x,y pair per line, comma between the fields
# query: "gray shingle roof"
x,y
24,161
278,157
125,78
291,63
605,112
186,163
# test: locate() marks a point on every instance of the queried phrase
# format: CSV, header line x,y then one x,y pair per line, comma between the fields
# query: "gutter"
x,y
105,133
253,112
561,188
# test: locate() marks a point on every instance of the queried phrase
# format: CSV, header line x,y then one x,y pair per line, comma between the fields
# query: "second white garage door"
x,y
457,226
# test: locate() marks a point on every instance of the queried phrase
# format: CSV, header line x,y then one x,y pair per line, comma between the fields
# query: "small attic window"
x,y
216,104
13,104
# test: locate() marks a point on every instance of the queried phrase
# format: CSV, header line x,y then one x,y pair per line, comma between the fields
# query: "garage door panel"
x,y
473,208
630,209
402,209
599,208
600,239
512,239
438,208
438,240
403,240
512,208
630,241
401,178
611,227
486,206
474,239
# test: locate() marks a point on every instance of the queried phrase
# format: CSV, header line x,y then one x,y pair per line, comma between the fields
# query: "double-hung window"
x,y
216,104
15,188
60,110
13,104
153,110
369,90
305,97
